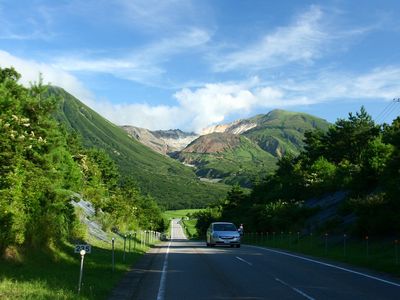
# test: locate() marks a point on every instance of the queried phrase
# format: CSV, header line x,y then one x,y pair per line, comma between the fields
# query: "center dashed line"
x,y
243,260
295,289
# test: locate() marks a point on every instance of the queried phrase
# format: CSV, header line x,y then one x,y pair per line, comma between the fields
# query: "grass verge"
x,y
54,274
375,254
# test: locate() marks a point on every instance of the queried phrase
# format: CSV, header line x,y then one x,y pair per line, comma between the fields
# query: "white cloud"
x,y
301,41
141,115
213,103
378,83
166,15
30,70
142,65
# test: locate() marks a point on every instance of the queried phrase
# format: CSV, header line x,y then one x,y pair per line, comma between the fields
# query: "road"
x,y
181,269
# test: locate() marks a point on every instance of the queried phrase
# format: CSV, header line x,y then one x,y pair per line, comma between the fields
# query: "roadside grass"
x,y
54,274
190,228
180,213
381,255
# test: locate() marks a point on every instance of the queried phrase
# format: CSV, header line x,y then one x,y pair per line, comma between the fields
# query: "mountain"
x,y
245,150
280,131
175,139
172,184
236,127
277,132
146,137
161,141
227,157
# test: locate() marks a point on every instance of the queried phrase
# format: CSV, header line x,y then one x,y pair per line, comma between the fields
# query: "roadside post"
x,y
130,237
326,243
124,247
344,244
367,245
113,254
82,250
396,249
82,253
134,240
298,240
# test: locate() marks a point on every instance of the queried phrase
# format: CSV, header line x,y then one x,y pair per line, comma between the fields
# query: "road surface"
x,y
181,269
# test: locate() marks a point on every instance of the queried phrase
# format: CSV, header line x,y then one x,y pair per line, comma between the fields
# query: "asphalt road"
x,y
181,269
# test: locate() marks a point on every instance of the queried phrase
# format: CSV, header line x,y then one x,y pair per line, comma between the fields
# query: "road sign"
x,y
87,248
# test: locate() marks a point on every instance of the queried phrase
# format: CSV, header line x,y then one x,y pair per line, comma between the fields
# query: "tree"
x,y
348,138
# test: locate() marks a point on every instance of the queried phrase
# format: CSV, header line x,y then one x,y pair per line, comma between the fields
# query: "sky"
x,y
190,64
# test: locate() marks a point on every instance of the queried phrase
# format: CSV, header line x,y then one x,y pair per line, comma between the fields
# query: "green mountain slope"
x,y
249,149
232,158
279,131
172,184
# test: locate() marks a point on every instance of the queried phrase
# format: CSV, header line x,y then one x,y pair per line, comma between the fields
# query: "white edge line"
x,y
329,265
295,289
161,290
243,260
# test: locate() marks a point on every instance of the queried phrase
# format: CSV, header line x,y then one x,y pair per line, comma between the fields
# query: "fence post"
x,y
396,251
124,247
298,240
344,244
113,255
326,243
367,245
130,237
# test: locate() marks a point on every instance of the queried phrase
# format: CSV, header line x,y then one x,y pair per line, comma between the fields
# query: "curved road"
x,y
181,269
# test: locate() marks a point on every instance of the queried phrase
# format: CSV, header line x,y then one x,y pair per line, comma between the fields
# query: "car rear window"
x,y
224,227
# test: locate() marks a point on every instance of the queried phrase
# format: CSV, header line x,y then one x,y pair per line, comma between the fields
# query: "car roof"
x,y
222,223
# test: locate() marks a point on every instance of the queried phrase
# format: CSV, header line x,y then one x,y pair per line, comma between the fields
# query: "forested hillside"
x,y
172,184
43,167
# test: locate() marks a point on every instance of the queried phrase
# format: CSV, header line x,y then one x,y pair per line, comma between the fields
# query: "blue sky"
x,y
191,64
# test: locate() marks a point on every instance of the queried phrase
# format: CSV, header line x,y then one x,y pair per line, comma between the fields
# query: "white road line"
x,y
243,260
161,290
329,265
295,289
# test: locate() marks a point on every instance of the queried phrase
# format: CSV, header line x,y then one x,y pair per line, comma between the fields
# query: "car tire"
x,y
208,244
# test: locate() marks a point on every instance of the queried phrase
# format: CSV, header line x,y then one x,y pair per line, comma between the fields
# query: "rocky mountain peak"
x,y
213,143
236,127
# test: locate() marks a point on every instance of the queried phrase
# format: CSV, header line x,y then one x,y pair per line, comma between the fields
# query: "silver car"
x,y
222,233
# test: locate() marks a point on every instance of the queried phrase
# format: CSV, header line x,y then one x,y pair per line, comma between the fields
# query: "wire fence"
x,y
373,252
